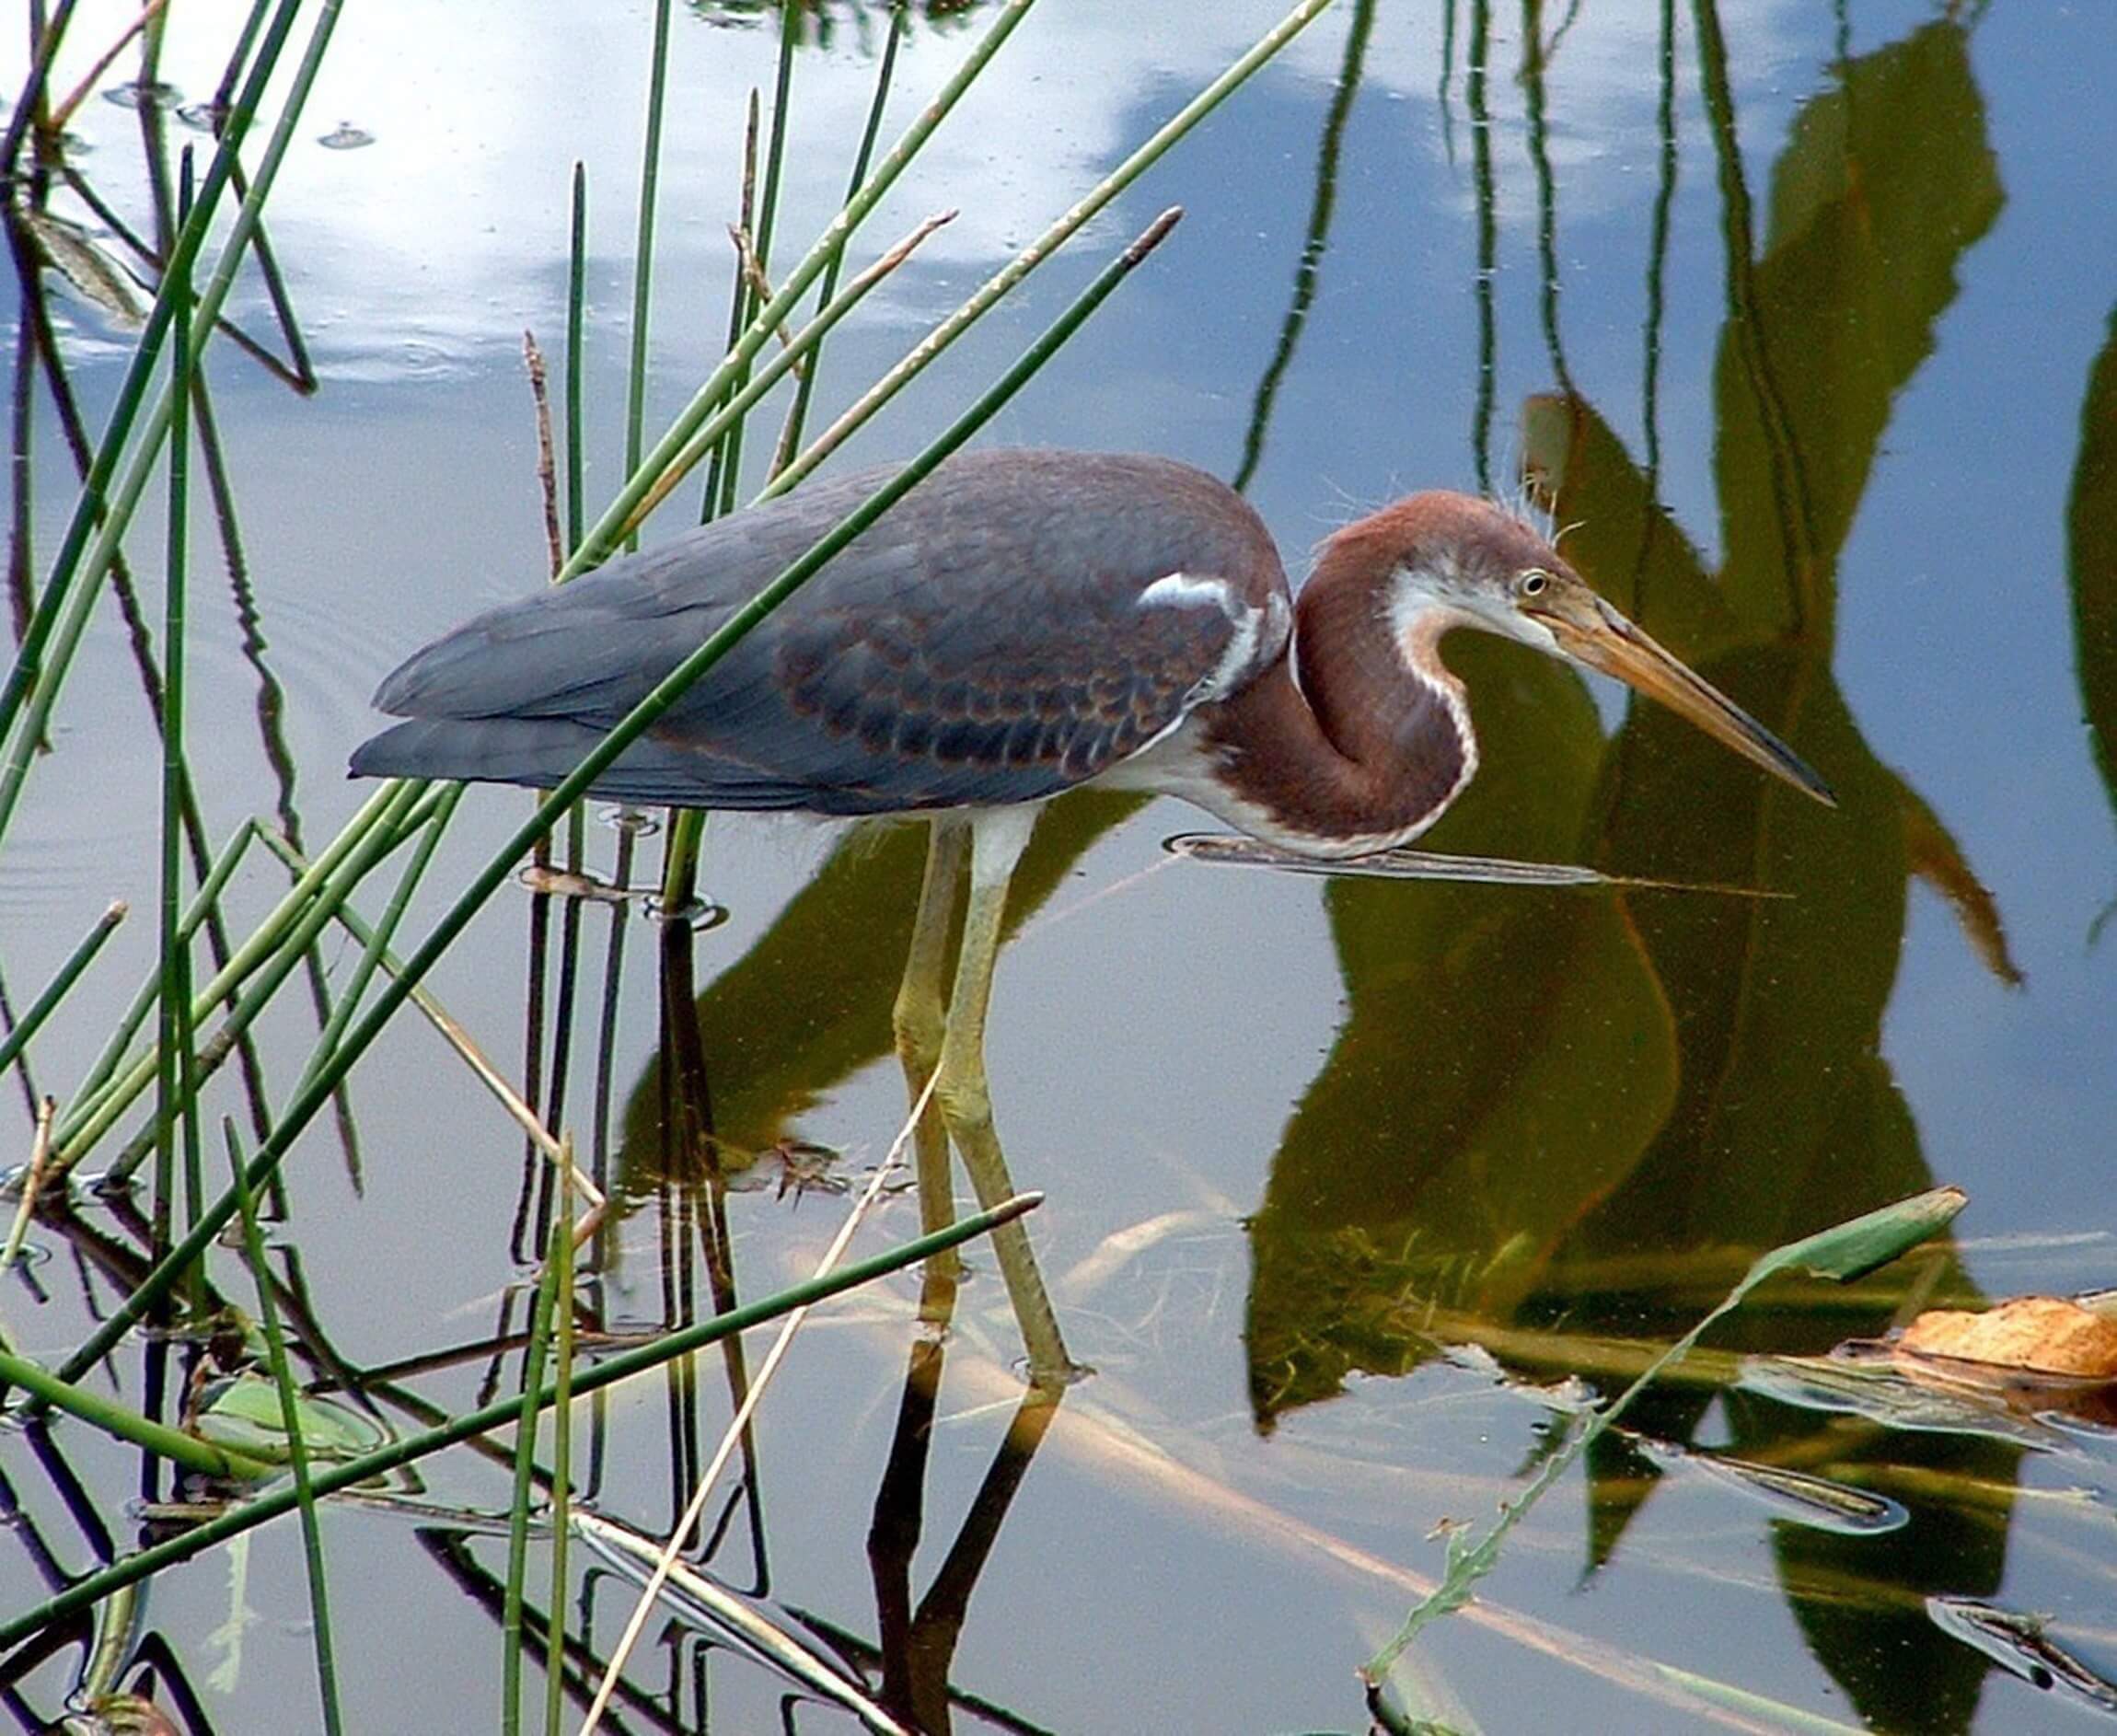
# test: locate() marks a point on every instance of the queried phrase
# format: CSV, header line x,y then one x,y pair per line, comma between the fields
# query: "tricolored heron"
x,y
1020,624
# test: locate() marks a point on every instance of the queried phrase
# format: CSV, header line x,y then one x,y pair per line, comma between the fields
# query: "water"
x,y
1823,430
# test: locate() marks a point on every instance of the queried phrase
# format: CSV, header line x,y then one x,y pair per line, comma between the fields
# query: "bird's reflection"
x,y
918,1636
916,1632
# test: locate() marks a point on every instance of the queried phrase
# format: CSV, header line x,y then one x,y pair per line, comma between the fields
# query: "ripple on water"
x,y
326,653
70,853
135,95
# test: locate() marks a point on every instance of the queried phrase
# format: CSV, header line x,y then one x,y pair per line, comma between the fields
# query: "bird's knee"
x,y
965,1102
920,1025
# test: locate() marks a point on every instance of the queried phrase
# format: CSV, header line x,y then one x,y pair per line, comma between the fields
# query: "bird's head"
x,y
1456,561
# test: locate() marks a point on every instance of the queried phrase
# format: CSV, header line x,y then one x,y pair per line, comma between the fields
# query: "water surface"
x,y
1802,319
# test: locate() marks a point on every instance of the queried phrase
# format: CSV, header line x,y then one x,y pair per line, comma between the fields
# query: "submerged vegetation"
x,y
1629,1097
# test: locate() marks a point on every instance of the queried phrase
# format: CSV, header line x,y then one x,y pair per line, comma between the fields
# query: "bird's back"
x,y
1001,634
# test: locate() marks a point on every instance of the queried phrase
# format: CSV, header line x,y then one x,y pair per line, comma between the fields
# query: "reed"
x,y
174,1086
296,1440
534,1355
272,1504
110,495
53,994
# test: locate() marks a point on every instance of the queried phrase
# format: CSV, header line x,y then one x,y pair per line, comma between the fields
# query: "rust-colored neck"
x,y
1359,739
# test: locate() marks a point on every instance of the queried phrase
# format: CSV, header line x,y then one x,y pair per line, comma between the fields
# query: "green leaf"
x,y
1852,1250
243,1413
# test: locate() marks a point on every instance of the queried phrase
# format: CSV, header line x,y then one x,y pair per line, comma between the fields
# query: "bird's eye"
x,y
1534,583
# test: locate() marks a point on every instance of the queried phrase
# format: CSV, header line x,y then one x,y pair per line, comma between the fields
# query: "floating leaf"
x,y
1873,1388
243,1413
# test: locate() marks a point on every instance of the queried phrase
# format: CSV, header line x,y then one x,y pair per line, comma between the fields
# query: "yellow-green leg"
x,y
998,838
920,1021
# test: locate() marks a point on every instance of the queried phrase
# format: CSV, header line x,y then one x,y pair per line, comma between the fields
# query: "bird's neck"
x,y
1360,738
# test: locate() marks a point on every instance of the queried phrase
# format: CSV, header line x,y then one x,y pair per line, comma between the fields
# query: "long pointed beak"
x,y
1602,639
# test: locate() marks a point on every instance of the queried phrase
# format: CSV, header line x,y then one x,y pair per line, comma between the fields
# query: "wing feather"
x,y
985,642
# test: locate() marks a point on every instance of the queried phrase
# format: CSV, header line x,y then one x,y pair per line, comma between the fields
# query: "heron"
x,y
1020,624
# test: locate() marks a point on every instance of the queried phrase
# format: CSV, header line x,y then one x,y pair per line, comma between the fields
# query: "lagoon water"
x,y
1800,320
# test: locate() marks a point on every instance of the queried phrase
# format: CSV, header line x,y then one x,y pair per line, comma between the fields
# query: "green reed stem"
x,y
1843,1251
681,861
296,1440
729,461
248,958
791,356
224,92
576,298
1038,250
527,1411
738,297
56,990
314,1092
604,534
644,244
218,874
347,918
804,388
377,942
418,817
272,1503
561,1440
174,1037
33,105
41,661
256,996
123,1424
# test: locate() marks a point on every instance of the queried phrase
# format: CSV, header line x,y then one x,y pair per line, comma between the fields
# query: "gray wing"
x,y
986,642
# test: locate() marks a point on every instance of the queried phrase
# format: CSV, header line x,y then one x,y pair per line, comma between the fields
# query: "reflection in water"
x,y
1536,60
807,1006
32,233
1542,1103
2091,557
1602,1077
1488,239
917,1641
1312,249
1611,1077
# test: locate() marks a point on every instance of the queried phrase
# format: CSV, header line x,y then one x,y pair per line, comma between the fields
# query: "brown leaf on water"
x,y
558,883
79,258
2043,1334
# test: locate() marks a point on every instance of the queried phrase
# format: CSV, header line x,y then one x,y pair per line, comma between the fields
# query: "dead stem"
x,y
547,470
32,1178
